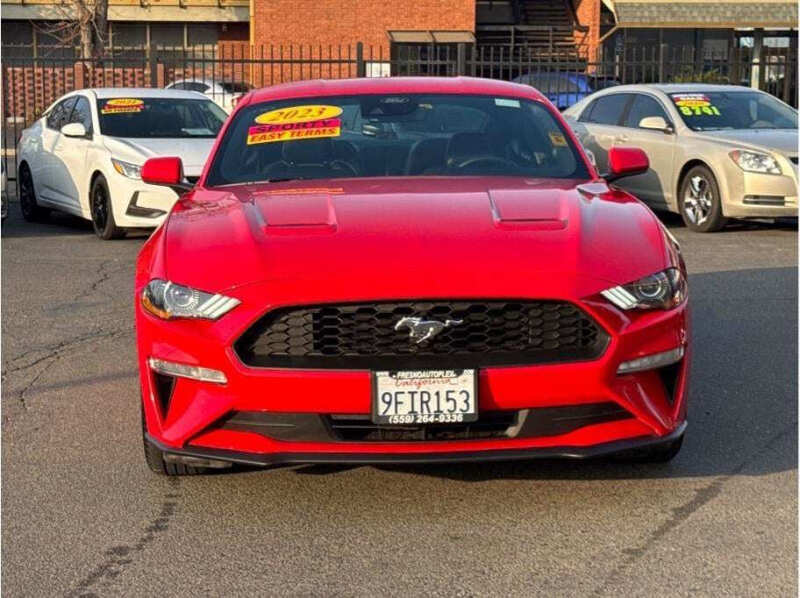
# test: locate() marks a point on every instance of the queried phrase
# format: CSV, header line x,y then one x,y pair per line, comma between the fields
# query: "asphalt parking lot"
x,y
83,516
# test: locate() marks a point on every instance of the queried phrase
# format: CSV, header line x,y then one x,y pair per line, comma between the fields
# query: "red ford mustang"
x,y
407,270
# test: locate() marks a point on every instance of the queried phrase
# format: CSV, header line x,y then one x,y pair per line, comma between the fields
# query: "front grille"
x,y
354,428
525,423
363,335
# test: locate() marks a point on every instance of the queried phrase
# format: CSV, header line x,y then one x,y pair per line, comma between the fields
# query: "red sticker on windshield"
x,y
691,100
329,127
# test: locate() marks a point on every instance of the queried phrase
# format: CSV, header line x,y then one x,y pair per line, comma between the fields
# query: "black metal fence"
x,y
31,83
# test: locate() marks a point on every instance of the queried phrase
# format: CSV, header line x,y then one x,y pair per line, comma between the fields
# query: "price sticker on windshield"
x,y
298,114
122,106
695,104
329,127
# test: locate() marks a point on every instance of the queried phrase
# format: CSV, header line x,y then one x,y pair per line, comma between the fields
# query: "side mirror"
x,y
167,172
625,161
73,130
656,123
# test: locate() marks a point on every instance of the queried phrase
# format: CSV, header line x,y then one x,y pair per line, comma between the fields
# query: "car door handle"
x,y
622,138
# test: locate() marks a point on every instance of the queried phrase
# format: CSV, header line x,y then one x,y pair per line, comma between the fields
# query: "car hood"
x,y
413,237
193,152
783,141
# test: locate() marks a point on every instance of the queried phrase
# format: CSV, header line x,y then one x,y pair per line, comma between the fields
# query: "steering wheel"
x,y
486,160
762,124
342,165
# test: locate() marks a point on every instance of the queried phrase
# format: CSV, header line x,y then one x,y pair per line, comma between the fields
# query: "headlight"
x,y
168,300
755,162
132,171
663,290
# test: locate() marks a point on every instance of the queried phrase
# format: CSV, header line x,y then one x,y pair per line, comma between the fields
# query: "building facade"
x,y
28,26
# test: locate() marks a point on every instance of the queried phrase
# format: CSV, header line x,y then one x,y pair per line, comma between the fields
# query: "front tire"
x,y
154,457
31,210
102,213
699,201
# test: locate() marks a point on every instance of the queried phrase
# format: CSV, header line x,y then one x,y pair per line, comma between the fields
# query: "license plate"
x,y
424,397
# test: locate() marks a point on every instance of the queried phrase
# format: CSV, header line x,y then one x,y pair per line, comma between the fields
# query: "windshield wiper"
x,y
284,179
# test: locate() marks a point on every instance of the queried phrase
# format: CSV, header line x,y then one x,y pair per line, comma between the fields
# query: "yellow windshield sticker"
x,y
557,139
298,114
122,105
329,127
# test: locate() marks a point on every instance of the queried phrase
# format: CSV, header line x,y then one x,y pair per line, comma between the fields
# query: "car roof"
x,y
143,92
443,85
677,87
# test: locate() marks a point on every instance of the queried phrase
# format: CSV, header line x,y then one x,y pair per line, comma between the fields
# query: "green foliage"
x,y
689,75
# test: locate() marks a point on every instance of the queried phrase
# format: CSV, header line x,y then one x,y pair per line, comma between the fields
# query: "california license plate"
x,y
424,397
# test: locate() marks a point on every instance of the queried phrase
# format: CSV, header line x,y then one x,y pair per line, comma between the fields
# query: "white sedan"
x,y
84,155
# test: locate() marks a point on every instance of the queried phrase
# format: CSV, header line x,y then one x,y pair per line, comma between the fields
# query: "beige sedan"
x,y
716,151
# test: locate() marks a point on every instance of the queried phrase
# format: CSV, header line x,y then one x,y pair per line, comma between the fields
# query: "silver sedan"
x,y
716,151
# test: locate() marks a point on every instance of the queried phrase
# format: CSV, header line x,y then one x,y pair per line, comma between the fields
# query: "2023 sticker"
x,y
122,105
298,114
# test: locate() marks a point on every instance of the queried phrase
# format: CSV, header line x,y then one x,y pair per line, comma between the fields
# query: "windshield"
x,y
159,117
717,110
394,135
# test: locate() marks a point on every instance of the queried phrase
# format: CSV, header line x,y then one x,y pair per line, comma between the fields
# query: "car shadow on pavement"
x,y
56,223
743,392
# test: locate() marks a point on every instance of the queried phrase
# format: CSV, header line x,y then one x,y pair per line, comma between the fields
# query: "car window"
x,y
235,87
395,135
179,85
642,107
59,115
82,113
195,86
550,83
606,110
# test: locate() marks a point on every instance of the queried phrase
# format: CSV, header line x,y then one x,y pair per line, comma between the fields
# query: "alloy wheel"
x,y
99,207
27,198
697,202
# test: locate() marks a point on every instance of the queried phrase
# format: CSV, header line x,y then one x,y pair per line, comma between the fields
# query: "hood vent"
x,y
528,209
287,211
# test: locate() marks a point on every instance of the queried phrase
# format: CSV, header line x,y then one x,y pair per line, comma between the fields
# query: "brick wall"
x,y
334,22
588,13
29,90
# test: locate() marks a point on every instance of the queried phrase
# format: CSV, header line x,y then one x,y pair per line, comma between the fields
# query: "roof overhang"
x,y
722,14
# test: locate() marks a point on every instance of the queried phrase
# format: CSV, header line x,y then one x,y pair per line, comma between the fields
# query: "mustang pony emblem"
x,y
422,330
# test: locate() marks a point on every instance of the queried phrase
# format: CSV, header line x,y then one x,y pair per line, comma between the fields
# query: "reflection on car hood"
x,y
779,140
193,152
488,236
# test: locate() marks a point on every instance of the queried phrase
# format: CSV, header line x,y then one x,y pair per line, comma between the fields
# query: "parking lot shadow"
x,y
743,391
56,224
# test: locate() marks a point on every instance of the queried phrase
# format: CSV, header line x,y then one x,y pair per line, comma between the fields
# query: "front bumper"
x,y
192,418
563,452
754,195
137,204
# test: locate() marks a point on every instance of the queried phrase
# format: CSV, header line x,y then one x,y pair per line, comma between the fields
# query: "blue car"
x,y
565,89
